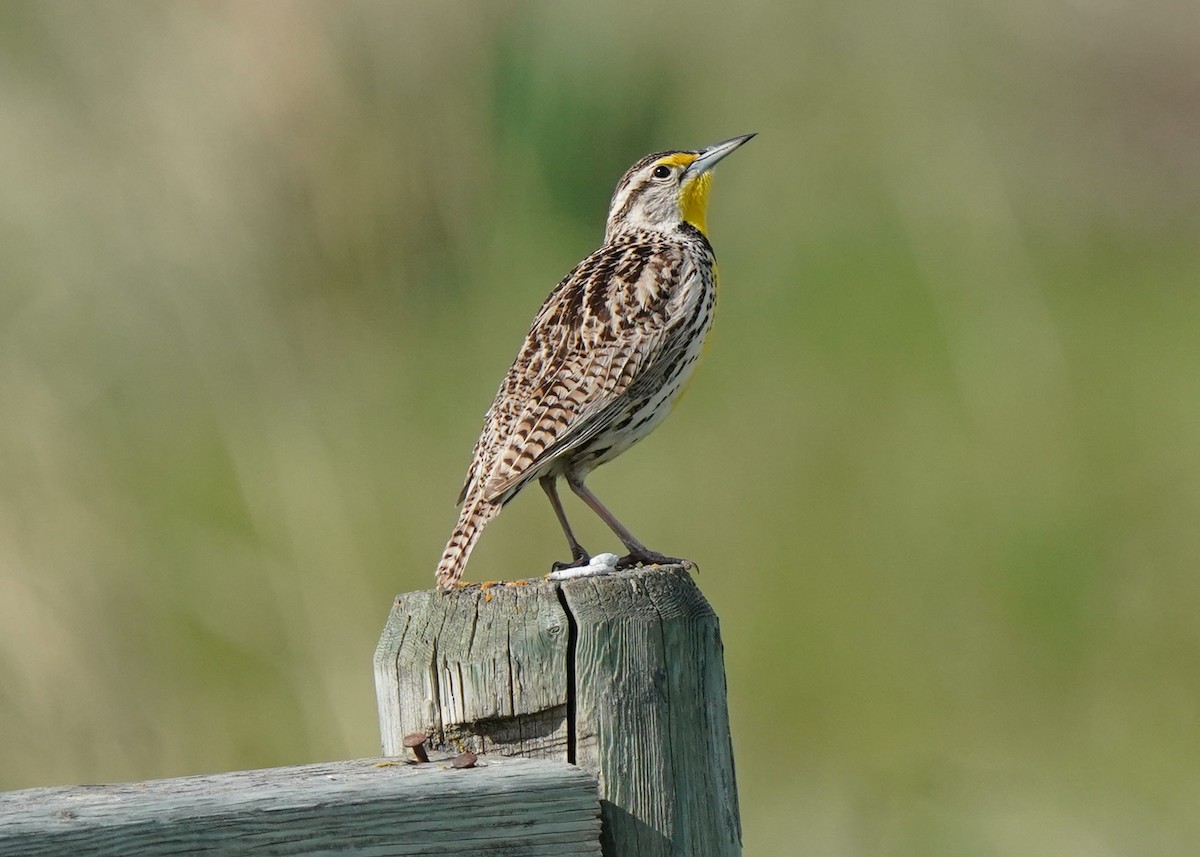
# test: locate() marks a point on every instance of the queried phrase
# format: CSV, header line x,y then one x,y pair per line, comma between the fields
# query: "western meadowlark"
x,y
607,355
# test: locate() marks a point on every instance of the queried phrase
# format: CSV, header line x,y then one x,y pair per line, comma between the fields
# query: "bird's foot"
x,y
649,557
601,563
578,558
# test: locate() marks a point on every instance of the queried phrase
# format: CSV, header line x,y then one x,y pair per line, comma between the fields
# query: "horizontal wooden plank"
x,y
504,806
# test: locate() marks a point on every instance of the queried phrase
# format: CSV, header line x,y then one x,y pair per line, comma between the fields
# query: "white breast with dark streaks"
x,y
692,305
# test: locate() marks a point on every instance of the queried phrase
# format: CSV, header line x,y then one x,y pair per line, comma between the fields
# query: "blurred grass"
x,y
264,265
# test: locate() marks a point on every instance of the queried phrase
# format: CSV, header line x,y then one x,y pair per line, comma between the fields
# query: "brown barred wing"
x,y
593,340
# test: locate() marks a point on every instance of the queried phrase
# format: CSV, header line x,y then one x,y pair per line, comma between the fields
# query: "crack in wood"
x,y
572,689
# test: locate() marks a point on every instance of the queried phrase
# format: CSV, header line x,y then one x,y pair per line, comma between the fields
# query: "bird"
x,y
607,355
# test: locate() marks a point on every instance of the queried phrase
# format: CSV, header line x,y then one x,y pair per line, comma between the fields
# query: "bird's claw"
x,y
632,560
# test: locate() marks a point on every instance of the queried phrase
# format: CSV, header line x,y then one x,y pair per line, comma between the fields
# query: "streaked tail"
x,y
475,515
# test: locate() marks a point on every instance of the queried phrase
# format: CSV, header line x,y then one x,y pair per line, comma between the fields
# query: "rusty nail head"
x,y
466,760
415,741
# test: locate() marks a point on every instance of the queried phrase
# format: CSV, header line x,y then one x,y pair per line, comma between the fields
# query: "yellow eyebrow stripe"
x,y
680,159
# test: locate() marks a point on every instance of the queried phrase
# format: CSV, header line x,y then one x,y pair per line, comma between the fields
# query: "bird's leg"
x,y
638,552
579,556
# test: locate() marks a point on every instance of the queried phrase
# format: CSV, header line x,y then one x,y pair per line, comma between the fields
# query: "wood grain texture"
x,y
650,714
622,673
376,807
476,669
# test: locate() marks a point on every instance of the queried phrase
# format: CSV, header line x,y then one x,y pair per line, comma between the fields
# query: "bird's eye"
x,y
662,171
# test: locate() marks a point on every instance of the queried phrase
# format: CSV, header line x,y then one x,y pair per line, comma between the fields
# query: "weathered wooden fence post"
x,y
622,674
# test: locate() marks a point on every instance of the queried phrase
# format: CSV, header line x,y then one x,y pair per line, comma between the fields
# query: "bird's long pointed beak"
x,y
710,156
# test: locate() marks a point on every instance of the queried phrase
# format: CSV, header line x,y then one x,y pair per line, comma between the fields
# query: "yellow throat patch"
x,y
693,196
693,201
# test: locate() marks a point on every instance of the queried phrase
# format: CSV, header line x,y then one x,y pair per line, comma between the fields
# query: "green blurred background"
x,y
264,265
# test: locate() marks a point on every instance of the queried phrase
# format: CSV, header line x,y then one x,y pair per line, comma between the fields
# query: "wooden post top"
x,y
502,651
620,673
